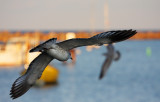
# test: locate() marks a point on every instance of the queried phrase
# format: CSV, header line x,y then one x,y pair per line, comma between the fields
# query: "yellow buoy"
x,y
49,75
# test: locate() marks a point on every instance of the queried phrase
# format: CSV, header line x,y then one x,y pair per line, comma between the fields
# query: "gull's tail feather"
x,y
43,46
114,36
19,87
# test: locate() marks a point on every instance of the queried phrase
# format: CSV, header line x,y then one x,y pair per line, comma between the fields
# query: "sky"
x,y
79,14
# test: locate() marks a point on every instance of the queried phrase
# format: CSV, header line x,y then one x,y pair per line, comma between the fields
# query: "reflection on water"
x,y
134,78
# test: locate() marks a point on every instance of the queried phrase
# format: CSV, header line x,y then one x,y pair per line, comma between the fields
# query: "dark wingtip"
x,y
101,76
122,35
114,36
19,87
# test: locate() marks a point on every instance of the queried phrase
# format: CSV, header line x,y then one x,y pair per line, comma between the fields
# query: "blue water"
x,y
134,78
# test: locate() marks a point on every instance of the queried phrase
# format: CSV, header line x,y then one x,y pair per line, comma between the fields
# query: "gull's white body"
x,y
58,53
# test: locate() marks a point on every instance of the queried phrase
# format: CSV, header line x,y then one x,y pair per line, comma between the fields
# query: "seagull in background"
x,y
111,55
51,50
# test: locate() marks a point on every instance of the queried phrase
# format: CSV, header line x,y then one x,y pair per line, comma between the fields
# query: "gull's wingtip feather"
x,y
122,35
101,76
19,87
114,36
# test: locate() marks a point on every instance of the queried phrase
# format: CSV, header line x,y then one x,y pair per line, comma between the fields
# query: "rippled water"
x,y
134,78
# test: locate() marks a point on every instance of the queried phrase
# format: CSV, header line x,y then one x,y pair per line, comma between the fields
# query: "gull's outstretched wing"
x,y
108,61
34,72
100,39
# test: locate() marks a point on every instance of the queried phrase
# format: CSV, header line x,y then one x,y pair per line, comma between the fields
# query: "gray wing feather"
x,y
78,42
100,39
36,67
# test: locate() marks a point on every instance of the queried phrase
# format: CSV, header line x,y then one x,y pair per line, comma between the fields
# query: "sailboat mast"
x,y
106,18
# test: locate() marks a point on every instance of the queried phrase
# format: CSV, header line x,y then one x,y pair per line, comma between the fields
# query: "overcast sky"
x,y
79,14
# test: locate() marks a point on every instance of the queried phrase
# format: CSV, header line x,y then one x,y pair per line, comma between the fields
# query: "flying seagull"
x,y
51,50
111,55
